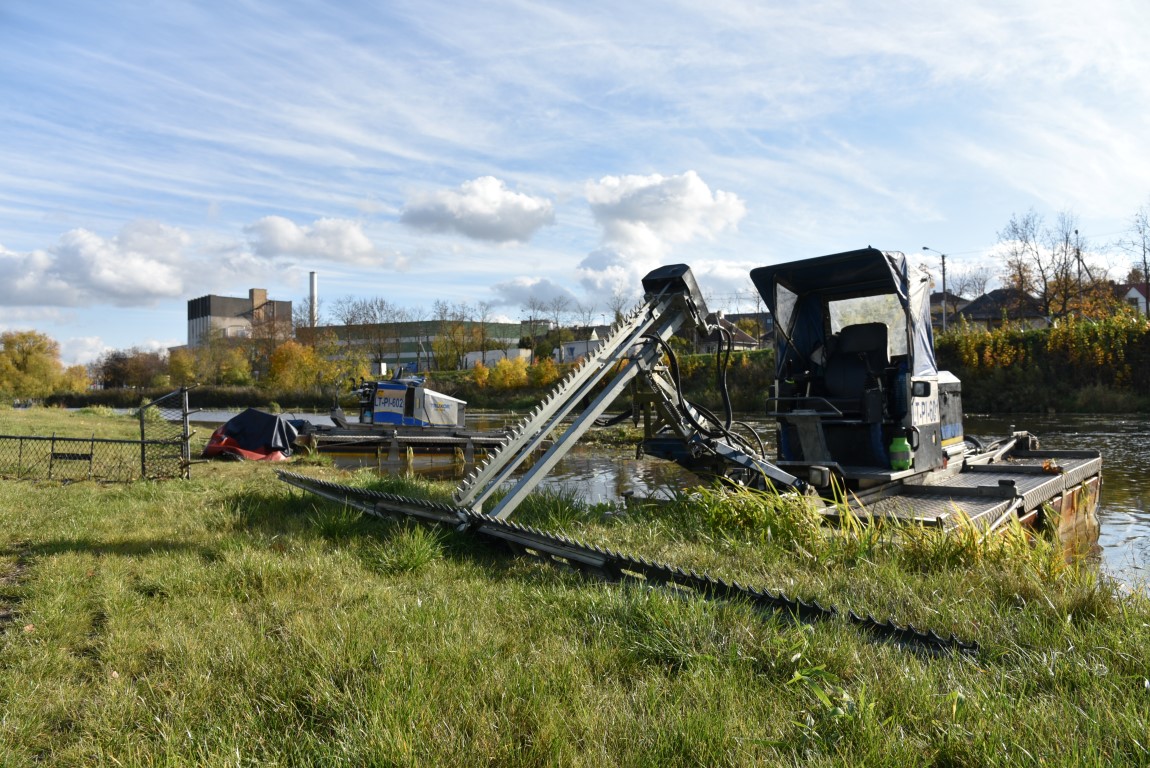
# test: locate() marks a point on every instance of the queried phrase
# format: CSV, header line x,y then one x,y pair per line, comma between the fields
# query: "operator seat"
x,y
854,372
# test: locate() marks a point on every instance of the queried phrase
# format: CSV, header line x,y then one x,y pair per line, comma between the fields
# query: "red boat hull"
x,y
222,446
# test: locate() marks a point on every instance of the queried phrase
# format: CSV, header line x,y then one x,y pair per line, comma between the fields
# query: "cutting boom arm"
x,y
632,352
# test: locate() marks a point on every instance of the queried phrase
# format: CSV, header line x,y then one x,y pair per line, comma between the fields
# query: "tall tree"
x,y
135,367
293,368
970,284
182,366
29,364
536,320
417,316
558,307
1048,264
618,303
483,311
452,334
585,311
301,313
1138,245
222,360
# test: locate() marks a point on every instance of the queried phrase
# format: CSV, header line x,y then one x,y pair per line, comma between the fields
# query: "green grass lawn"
x,y
230,620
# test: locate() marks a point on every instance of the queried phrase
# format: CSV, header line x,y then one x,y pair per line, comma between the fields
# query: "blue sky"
x,y
466,152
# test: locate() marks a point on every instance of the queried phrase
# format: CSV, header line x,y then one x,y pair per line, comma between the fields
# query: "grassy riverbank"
x,y
230,620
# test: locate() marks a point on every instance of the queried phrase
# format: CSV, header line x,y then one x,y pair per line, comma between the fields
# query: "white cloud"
x,y
21,318
82,350
520,290
642,217
338,240
140,265
483,209
147,262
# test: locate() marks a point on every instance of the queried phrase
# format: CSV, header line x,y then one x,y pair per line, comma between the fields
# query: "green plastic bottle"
x,y
900,455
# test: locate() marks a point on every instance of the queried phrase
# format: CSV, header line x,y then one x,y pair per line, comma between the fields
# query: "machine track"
x,y
615,566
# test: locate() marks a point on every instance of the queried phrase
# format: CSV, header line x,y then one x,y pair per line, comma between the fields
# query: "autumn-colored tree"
x,y
74,380
221,360
750,326
182,366
234,368
292,368
296,367
335,365
29,364
135,367
480,374
543,373
509,374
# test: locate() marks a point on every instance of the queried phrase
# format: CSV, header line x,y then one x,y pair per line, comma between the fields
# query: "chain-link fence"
x,y
163,450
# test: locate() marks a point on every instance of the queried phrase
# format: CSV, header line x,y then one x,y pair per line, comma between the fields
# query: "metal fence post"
x,y
186,437
143,445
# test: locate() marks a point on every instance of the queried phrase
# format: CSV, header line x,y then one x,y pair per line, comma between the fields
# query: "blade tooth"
x,y
827,609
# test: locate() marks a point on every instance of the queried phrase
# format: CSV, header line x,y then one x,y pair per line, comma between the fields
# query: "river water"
x,y
604,474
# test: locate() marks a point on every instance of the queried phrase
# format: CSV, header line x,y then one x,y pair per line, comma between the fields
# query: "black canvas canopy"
x,y
797,293
259,431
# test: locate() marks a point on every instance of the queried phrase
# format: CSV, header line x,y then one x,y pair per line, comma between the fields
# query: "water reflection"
x,y
607,475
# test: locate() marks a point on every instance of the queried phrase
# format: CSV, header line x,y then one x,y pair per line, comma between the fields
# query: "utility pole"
x,y
1078,256
943,255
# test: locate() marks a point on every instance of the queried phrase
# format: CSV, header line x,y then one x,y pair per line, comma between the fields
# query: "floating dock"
x,y
397,444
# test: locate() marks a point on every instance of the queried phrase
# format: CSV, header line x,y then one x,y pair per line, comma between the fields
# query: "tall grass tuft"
x,y
556,508
150,415
97,410
337,523
409,549
768,517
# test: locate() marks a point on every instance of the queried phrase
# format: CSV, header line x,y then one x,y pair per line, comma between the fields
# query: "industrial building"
x,y
253,317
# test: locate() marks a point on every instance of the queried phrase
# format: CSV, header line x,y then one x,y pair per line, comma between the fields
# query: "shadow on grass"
x,y
120,548
274,515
